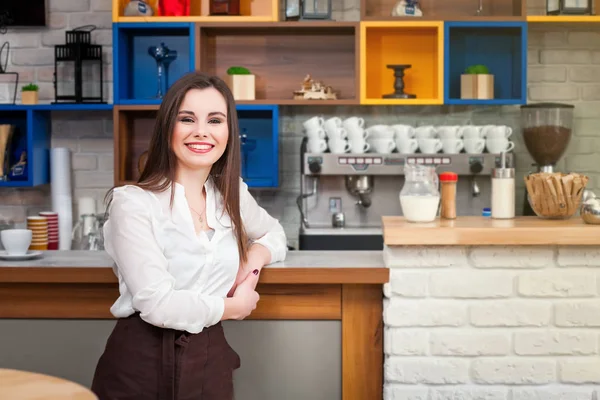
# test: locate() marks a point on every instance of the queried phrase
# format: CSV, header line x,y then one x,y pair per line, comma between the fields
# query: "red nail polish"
x,y
255,272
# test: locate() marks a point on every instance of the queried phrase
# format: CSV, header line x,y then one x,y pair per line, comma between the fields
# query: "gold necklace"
x,y
199,215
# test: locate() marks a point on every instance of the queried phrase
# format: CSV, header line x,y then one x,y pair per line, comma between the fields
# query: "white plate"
x,y
30,254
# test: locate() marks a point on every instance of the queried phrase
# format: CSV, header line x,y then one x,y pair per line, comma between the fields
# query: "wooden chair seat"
x,y
23,385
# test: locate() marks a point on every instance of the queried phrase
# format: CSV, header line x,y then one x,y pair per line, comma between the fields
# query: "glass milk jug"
x,y
420,196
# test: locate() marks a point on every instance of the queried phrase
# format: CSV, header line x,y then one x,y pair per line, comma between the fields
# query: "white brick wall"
x,y
500,323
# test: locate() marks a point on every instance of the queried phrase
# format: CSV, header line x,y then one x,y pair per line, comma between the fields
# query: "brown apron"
x,y
145,362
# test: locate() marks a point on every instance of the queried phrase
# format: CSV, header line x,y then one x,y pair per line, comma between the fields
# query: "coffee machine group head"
x,y
360,186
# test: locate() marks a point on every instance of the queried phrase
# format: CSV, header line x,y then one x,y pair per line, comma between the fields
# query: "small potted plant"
x,y
477,83
242,83
29,94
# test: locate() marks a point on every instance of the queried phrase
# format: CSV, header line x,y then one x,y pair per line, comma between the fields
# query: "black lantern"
x,y
315,9
79,65
568,7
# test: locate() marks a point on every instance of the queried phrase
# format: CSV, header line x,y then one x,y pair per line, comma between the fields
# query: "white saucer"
x,y
30,254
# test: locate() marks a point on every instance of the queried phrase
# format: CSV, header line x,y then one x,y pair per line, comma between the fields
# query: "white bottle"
x,y
503,193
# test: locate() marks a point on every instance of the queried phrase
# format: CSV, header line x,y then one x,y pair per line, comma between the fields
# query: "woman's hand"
x,y
258,257
244,299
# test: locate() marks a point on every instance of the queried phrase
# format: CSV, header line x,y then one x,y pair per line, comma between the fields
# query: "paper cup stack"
x,y
39,228
52,218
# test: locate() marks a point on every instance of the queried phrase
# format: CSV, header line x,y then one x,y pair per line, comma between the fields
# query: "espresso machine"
x,y
343,196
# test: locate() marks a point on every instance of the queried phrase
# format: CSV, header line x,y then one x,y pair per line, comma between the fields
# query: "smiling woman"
x,y
188,241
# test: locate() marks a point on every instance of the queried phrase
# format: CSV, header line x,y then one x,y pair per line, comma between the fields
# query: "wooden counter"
x,y
310,285
485,231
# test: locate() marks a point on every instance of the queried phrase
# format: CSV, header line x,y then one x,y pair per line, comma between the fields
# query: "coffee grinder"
x,y
547,129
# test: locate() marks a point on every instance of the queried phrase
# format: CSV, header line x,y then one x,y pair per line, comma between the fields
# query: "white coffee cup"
x,y
316,145
474,146
381,132
337,133
315,133
313,123
353,123
449,132
382,145
472,132
357,133
338,146
402,131
425,131
16,242
359,145
495,145
430,145
452,146
332,124
407,146
498,131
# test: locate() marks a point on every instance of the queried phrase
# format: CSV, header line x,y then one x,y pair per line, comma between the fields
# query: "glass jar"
x,y
420,196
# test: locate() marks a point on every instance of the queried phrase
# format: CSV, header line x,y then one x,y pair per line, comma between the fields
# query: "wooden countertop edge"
x,y
480,231
288,275
516,236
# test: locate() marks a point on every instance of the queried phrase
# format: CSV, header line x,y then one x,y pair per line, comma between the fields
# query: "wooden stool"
x,y
23,385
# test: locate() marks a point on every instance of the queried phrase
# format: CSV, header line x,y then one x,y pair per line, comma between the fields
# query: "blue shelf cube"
x,y
32,137
135,71
501,46
259,129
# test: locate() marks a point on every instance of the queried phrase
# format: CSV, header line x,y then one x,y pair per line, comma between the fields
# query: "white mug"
x,y
498,132
337,133
474,146
357,133
382,145
339,146
403,131
495,145
430,145
359,146
316,145
449,132
472,132
353,123
452,146
332,124
407,146
315,133
313,123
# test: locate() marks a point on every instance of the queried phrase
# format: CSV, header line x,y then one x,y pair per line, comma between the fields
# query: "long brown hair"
x,y
159,171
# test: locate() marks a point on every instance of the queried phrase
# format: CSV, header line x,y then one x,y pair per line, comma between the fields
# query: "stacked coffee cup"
x,y
336,136
357,135
313,128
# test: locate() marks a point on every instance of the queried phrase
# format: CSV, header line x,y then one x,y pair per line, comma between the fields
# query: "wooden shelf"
x,y
501,46
250,10
419,43
563,18
259,126
443,10
281,54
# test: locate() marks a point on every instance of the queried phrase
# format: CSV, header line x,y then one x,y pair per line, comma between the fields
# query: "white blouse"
x,y
172,276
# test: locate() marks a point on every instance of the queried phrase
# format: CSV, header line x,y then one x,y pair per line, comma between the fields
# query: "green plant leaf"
x,y
30,88
238,71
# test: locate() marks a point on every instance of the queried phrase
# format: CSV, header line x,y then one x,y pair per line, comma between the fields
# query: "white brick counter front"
x,y
492,323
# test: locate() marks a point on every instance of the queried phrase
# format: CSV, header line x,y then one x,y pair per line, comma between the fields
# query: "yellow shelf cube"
x,y
418,43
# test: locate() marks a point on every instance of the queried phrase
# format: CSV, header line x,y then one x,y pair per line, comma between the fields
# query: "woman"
x,y
188,242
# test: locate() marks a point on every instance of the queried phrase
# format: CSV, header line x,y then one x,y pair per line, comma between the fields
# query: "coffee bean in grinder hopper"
x,y
547,130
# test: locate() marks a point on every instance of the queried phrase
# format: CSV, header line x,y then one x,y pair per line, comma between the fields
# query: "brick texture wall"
x,y
508,323
564,62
